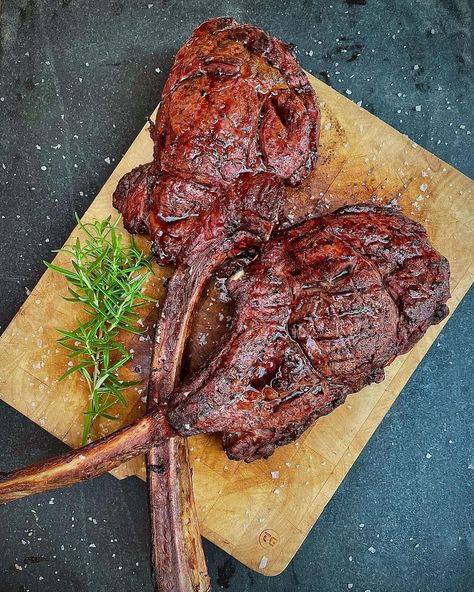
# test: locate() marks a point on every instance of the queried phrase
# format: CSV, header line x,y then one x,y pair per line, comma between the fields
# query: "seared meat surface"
x,y
326,306
236,103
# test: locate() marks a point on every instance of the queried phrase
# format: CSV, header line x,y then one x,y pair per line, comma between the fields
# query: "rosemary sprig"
x,y
107,278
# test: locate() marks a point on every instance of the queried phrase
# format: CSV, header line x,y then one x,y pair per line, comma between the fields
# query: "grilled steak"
x,y
326,306
236,102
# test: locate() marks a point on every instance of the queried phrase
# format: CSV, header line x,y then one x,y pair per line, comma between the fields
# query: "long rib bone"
x,y
177,557
87,462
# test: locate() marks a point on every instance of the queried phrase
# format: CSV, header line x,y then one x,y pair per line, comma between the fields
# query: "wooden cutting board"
x,y
260,513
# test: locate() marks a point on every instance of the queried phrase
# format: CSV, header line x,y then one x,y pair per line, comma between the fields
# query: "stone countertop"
x,y
77,80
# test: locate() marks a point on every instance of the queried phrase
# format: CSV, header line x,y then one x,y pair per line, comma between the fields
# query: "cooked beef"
x,y
236,102
326,306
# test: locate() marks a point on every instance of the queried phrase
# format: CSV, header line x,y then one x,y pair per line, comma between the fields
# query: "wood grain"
x,y
258,518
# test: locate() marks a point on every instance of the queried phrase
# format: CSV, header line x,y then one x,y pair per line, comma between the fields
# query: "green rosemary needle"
x,y
107,279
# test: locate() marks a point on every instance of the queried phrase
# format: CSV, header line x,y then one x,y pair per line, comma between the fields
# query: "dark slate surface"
x,y
77,80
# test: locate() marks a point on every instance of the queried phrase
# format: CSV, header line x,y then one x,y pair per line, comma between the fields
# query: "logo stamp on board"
x,y
268,538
